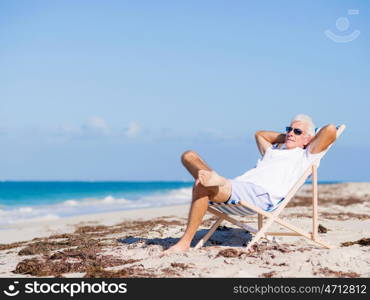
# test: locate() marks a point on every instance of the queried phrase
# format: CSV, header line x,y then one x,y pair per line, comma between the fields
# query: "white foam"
x,y
25,209
92,205
178,196
70,203
95,201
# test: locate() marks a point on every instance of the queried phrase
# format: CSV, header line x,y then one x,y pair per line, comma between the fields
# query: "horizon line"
x,y
139,181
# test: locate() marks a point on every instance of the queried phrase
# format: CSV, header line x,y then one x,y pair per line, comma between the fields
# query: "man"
x,y
266,184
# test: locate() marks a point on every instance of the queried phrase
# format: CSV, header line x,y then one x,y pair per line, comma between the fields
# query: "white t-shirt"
x,y
279,169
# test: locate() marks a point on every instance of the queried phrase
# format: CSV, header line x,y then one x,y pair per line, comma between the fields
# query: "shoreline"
x,y
28,230
55,214
130,243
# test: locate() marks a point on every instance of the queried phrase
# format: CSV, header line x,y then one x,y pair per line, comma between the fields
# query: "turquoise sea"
x,y
39,200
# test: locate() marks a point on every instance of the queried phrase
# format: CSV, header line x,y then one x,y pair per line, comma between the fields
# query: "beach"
x,y
130,243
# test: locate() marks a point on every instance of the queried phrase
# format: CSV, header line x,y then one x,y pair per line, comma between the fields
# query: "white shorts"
x,y
251,193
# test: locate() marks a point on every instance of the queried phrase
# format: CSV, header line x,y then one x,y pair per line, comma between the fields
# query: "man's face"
x,y
293,140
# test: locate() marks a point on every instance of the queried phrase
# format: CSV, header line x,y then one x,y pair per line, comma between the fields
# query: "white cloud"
x,y
69,130
93,127
133,129
96,126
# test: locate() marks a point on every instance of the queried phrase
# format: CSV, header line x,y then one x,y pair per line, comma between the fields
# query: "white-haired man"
x,y
266,184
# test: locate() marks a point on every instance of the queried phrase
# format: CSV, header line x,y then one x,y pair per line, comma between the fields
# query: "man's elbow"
x,y
332,128
259,133
331,131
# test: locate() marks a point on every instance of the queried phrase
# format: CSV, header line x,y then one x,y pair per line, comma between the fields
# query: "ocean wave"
x,y
172,197
72,207
95,201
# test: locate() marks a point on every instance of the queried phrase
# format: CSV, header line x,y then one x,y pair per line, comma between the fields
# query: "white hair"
x,y
306,119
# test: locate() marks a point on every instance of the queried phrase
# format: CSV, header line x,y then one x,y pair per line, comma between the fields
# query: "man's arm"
x,y
266,139
323,139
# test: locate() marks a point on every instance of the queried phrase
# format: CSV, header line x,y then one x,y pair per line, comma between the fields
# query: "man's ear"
x,y
308,140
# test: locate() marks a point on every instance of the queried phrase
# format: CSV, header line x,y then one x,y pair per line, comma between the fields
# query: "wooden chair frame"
x,y
273,216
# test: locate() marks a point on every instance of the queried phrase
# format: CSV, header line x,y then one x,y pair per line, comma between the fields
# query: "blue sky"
x,y
117,90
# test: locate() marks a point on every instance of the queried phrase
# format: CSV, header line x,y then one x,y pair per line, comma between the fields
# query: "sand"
x,y
130,243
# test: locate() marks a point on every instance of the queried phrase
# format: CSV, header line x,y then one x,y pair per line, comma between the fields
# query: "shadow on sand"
x,y
223,236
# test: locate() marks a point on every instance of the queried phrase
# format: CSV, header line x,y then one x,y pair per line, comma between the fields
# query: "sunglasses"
x,y
296,131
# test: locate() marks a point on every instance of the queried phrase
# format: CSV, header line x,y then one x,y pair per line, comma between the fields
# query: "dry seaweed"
x,y
180,265
269,274
229,252
169,272
263,247
361,242
322,229
327,272
80,252
56,265
341,216
45,246
11,246
88,229
307,201
132,272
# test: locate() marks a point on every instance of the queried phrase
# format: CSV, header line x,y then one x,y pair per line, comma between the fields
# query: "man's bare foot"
x,y
210,178
175,249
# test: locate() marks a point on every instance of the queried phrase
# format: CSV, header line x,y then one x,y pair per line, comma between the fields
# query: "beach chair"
x,y
242,208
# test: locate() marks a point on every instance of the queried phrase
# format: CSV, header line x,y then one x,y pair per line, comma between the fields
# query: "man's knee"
x,y
188,156
199,189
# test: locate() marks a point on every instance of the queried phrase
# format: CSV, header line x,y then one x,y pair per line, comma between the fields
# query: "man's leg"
x,y
200,197
211,179
193,163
